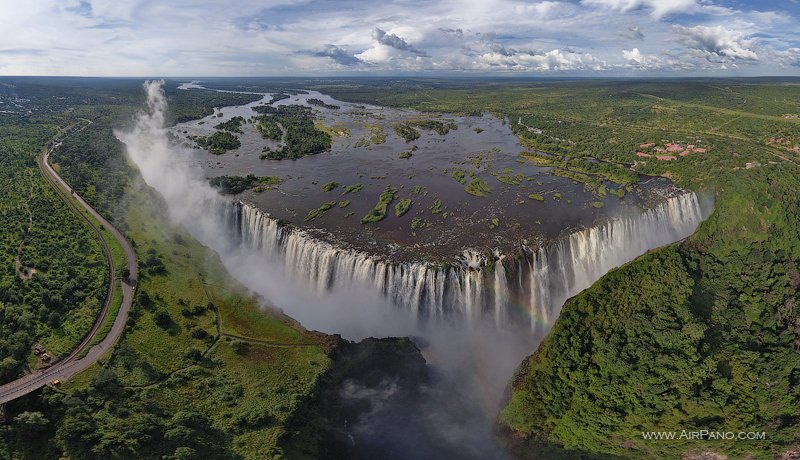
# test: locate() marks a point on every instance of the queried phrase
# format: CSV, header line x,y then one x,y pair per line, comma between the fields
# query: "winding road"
x,y
72,364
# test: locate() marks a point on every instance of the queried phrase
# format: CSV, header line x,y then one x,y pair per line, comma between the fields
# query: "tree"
x,y
31,421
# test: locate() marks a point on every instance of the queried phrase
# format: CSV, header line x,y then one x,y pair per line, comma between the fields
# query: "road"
x,y
71,364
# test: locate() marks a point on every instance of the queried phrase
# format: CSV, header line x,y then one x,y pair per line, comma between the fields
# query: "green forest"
x,y
301,138
55,275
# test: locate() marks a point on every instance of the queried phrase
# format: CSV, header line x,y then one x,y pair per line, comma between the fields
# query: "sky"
x,y
390,37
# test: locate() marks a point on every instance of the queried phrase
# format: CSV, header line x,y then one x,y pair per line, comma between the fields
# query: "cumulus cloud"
x,y
658,8
789,57
393,41
553,60
638,60
339,55
717,44
633,56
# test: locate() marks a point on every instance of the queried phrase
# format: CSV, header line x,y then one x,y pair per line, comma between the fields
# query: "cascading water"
x,y
536,282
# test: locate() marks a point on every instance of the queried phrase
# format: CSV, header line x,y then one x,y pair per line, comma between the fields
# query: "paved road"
x,y
71,365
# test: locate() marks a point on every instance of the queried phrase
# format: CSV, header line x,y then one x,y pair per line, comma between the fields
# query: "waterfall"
x,y
535,282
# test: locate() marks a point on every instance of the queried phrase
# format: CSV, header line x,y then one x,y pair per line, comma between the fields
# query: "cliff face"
x,y
363,377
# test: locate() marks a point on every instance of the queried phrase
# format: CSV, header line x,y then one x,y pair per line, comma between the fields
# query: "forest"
x,y
301,138
55,275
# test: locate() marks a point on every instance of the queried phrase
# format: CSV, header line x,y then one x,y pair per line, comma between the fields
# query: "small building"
x,y
666,157
38,349
642,154
45,357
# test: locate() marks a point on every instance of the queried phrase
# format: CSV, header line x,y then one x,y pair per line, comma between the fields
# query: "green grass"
x,y
378,213
478,187
330,186
355,188
406,132
402,207
460,176
320,211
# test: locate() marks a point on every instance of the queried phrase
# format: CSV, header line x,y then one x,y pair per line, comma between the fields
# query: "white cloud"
x,y
208,37
717,43
658,8
633,56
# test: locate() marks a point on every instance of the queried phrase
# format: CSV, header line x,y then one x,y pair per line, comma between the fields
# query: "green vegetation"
x,y
405,131
507,176
234,125
232,185
321,103
406,154
495,222
355,188
419,223
477,130
536,196
437,207
330,186
217,143
460,175
278,97
598,204
440,127
378,213
302,135
184,105
377,135
478,187
56,275
201,370
344,203
320,211
336,130
402,207
269,128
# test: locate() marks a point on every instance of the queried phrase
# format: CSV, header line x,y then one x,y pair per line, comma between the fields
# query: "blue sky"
x,y
359,37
